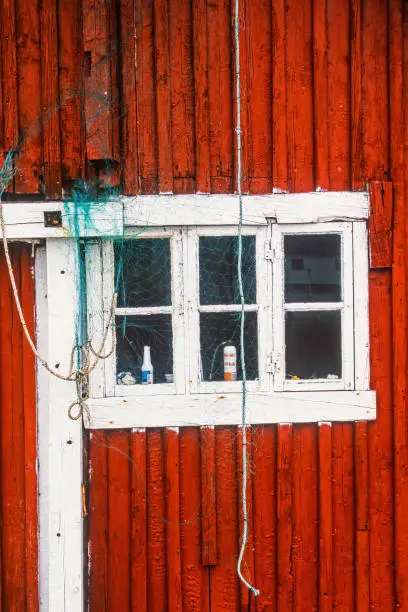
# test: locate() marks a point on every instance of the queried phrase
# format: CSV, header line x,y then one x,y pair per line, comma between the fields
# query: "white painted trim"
x,y
95,314
346,307
65,535
198,409
43,433
25,220
361,312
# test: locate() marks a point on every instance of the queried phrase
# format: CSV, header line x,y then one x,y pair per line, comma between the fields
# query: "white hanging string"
x,y
244,540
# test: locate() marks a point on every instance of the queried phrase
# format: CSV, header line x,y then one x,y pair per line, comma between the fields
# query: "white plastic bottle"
x,y
147,368
230,363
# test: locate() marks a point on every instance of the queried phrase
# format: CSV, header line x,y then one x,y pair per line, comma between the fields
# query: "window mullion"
x,y
178,312
191,292
278,315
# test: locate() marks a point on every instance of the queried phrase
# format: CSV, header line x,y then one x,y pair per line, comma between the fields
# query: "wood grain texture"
x,y
119,530
323,87
195,576
30,436
98,521
28,53
156,529
381,225
70,64
208,497
50,124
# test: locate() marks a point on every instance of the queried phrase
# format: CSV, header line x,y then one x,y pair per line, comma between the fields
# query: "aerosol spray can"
x,y
147,368
230,363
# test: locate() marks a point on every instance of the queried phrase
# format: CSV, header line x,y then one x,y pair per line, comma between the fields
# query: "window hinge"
x,y
268,251
273,363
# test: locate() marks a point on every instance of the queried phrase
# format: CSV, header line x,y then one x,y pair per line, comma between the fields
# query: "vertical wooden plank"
x,y
362,553
139,520
71,89
325,518
65,541
265,519
356,57
100,119
247,566
343,516
376,164
220,95
50,100
244,84
208,496
320,93
279,109
195,577
172,478
30,435
398,54
98,530
29,96
375,90
127,48
299,95
9,75
304,543
284,518
146,102
182,101
156,542
119,521
12,445
259,94
338,17
380,444
202,150
381,224
223,577
163,95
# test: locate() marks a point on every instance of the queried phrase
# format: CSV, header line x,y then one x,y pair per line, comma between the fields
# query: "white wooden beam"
x,y
217,409
25,220
65,563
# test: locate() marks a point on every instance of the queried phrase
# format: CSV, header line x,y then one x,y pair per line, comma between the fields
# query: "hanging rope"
x,y
238,131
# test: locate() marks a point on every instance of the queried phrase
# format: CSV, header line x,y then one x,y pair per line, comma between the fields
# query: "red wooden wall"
x,y
18,452
148,85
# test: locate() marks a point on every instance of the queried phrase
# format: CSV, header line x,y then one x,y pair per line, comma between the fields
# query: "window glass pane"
x,y
223,329
135,332
142,272
219,270
313,345
313,268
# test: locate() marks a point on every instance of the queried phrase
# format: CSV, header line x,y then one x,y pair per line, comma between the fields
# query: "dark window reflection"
x,y
143,272
313,268
135,332
313,345
218,329
219,269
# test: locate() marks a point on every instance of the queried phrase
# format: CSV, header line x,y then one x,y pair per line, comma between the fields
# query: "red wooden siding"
x,y
325,85
18,448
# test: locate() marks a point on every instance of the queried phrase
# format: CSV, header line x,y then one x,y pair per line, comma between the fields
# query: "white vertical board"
x,y
43,435
65,567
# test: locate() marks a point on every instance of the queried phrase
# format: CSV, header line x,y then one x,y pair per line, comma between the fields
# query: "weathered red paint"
x,y
324,88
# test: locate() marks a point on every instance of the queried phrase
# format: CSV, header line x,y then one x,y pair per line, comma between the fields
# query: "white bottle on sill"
x,y
147,368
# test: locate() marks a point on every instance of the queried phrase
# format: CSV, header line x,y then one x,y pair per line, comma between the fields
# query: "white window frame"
x,y
271,398
346,306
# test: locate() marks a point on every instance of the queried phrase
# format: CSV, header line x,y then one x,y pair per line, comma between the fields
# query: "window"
x,y
305,335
